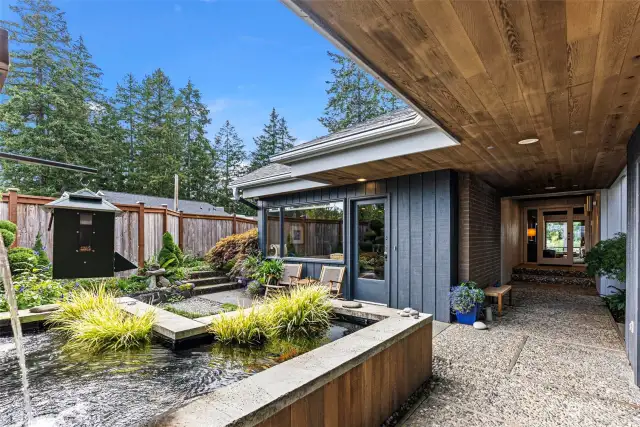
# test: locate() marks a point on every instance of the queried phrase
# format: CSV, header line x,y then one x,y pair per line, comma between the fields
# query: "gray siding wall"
x,y
423,235
633,252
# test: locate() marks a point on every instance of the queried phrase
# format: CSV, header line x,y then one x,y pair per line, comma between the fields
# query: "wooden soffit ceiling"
x,y
494,72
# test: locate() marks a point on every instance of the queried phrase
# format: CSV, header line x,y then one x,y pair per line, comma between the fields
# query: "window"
x,y
310,231
85,233
273,232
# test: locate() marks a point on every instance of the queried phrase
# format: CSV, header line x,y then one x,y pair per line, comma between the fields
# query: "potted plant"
x,y
464,303
479,296
270,270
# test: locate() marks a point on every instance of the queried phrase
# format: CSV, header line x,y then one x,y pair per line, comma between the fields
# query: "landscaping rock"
x,y
407,310
405,314
351,304
480,326
163,282
44,308
158,272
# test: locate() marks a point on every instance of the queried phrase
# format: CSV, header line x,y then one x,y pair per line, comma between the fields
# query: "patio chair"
x,y
332,277
290,276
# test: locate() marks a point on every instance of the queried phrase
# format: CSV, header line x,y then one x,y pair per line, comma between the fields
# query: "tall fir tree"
x,y
354,96
160,152
230,163
45,114
127,103
199,178
274,139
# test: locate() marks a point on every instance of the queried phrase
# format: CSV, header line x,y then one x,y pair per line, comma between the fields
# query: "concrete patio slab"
x,y
594,371
492,349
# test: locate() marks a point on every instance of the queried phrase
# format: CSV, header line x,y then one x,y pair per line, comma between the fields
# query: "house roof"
x,y
273,170
187,206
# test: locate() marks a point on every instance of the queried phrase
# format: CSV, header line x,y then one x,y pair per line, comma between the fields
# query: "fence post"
x,y
234,226
181,231
13,211
165,220
141,235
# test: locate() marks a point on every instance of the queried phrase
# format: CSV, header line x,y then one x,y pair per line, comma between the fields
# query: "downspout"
x,y
238,198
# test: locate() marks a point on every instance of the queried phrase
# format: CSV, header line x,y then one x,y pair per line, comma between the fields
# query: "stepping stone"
x,y
351,304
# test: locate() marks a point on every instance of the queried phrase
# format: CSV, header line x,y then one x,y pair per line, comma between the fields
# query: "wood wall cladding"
x,y
493,72
367,394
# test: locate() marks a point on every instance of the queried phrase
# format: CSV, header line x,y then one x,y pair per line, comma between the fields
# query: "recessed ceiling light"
x,y
528,141
491,147
575,185
361,179
578,132
551,187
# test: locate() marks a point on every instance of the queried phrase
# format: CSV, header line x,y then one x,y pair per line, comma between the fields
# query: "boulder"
x,y
163,282
44,308
407,310
480,326
155,272
351,304
404,314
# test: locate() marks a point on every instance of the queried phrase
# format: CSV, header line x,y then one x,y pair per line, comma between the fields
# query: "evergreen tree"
x,y
160,152
45,114
88,76
199,178
354,96
230,163
275,138
111,149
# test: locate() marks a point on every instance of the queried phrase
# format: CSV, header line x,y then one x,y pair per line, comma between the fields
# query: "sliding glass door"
x,y
557,240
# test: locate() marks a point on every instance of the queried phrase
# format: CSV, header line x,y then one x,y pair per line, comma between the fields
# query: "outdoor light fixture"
x,y
491,147
528,141
551,187
361,179
578,132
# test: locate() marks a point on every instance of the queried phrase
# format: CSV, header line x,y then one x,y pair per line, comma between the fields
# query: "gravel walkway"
x,y
554,359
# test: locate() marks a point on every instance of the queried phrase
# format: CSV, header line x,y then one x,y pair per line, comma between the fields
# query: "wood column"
x,y
235,225
181,231
165,220
141,235
13,211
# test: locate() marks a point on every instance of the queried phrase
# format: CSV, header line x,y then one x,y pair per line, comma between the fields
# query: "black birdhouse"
x,y
83,237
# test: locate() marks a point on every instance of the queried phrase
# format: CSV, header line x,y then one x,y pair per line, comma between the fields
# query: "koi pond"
x,y
127,388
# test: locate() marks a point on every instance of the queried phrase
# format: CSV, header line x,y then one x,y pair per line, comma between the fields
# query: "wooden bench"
x,y
492,291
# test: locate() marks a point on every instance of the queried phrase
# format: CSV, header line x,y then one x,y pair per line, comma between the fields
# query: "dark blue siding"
x,y
423,239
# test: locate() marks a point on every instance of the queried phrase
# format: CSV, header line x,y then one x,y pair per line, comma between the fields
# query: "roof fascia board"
x,y
349,51
370,136
281,187
402,145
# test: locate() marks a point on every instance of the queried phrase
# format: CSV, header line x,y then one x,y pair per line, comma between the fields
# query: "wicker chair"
x,y
290,276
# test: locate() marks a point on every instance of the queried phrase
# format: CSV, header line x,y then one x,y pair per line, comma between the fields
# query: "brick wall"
x,y
479,231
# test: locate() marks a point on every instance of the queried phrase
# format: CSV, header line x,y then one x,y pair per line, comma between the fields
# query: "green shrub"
x,y
303,312
246,266
8,225
39,250
255,288
34,289
92,320
7,237
608,258
228,248
21,260
240,327
170,256
227,306
617,303
270,270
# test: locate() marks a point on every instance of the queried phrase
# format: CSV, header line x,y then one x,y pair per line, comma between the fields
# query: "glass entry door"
x,y
557,241
370,241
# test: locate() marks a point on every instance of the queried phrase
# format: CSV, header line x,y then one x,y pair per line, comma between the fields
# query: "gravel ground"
x,y
197,305
553,360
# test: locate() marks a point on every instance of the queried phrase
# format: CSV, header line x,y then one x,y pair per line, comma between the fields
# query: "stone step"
x,y
203,281
167,325
551,271
561,280
203,274
210,289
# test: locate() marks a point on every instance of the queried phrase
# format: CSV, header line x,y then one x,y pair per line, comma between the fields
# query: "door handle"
x,y
386,255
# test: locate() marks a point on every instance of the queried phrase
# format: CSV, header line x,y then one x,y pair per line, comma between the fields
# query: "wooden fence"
x,y
135,239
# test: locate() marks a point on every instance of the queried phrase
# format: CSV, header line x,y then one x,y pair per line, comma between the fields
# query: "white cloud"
x,y
218,105
177,8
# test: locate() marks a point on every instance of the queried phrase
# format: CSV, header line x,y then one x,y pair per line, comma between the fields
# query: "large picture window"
x,y
310,231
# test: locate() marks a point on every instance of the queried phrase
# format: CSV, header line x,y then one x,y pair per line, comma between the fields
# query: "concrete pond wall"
x,y
358,380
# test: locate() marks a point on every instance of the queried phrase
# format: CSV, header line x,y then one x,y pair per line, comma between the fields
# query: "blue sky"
x,y
245,56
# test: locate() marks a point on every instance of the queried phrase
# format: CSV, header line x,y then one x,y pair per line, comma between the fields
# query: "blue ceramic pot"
x,y
467,318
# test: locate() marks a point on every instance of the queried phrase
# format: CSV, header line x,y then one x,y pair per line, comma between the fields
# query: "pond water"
x,y
122,389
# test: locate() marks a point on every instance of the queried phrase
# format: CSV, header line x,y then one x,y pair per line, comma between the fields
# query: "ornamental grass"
x,y
93,321
305,311
246,327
